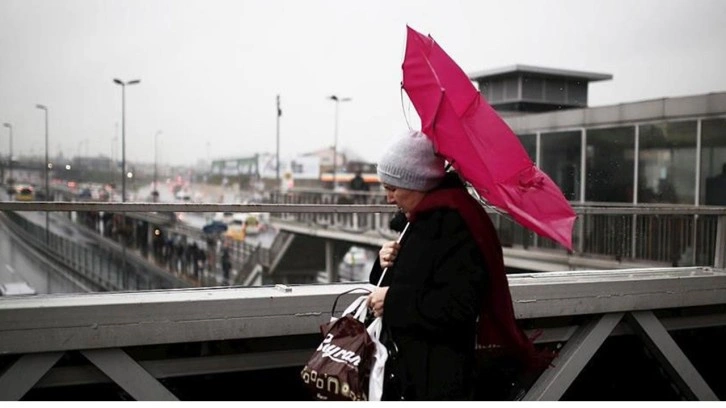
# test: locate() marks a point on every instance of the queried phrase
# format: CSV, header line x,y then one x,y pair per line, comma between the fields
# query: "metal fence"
x,y
106,266
652,234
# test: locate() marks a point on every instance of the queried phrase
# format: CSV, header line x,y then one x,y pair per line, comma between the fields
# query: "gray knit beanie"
x,y
410,163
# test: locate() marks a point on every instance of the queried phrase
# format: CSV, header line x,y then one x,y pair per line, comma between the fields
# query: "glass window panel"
x,y
485,87
560,156
496,91
713,162
555,90
610,164
511,88
529,141
666,163
577,92
532,89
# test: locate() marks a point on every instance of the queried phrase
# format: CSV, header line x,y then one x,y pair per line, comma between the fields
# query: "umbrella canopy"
x,y
468,133
215,227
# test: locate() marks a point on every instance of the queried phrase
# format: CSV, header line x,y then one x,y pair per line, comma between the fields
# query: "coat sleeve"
x,y
453,296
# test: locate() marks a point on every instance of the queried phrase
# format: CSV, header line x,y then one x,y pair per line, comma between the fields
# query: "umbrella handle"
x,y
398,241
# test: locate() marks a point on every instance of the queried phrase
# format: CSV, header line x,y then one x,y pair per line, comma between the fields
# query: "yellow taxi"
x,y
235,234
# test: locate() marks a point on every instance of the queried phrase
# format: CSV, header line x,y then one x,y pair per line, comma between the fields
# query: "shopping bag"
x,y
350,355
377,376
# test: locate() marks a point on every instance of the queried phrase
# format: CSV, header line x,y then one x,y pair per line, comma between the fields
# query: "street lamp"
x,y
335,143
155,192
123,132
47,162
277,136
47,169
10,154
81,143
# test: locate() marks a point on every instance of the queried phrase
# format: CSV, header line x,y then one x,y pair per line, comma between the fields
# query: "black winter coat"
x,y
435,291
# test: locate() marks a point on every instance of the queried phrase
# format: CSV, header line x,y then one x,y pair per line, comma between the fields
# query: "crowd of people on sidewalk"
x,y
200,261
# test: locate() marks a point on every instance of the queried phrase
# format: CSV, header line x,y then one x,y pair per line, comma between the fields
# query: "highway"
x,y
18,263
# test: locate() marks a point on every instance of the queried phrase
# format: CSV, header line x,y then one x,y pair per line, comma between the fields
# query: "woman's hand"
x,y
376,300
388,253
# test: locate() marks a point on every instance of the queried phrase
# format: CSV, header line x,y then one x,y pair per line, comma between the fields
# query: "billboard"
x,y
301,167
265,166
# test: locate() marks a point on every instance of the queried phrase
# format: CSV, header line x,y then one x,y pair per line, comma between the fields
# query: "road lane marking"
x,y
10,268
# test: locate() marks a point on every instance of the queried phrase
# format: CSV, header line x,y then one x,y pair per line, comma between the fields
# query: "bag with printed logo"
x,y
340,368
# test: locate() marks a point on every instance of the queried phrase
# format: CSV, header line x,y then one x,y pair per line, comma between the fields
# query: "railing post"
x,y
719,260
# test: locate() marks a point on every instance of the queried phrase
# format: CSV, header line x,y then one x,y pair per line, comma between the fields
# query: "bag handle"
x,y
335,303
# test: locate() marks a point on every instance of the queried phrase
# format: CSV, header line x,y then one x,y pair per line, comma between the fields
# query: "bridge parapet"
x,y
272,327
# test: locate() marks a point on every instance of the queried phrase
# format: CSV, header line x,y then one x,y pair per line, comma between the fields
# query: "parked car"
x,y
24,193
183,195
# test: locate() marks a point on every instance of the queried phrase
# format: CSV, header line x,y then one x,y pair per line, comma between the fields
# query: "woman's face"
x,y
405,199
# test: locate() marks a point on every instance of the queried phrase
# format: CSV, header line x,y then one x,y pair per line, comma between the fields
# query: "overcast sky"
x,y
210,69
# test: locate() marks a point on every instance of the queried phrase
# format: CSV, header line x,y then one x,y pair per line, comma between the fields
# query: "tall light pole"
x,y
335,143
114,140
155,193
47,162
81,143
10,152
277,133
47,168
123,132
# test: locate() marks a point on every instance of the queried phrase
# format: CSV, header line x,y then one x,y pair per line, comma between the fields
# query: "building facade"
x,y
668,150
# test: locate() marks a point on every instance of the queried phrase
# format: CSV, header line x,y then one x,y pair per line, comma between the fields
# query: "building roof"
x,y
683,107
529,69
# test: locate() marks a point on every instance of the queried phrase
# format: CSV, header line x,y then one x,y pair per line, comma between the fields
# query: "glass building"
x,y
669,150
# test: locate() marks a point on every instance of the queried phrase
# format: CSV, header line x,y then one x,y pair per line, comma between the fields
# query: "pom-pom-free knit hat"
x,y
410,163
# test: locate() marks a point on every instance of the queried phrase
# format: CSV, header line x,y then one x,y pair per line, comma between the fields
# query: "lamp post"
x,y
81,143
277,135
47,162
123,132
155,192
10,152
335,142
47,168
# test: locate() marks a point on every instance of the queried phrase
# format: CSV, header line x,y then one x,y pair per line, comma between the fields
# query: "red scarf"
x,y
498,327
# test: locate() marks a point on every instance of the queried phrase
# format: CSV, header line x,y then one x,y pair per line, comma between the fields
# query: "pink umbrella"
x,y
469,134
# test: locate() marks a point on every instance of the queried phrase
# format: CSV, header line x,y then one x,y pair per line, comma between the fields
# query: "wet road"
x,y
17,264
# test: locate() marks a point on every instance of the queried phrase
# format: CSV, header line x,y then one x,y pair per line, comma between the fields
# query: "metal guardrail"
x,y
674,235
104,265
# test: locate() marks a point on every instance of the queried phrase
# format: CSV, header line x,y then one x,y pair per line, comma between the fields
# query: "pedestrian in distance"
x,y
358,183
226,264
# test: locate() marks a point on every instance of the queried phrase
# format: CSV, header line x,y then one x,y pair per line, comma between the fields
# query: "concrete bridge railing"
x,y
141,340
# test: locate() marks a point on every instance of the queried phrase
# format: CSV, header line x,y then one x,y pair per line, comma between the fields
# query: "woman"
x,y
445,289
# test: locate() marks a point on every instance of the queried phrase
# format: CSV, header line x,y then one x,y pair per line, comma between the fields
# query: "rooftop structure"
x,y
524,88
